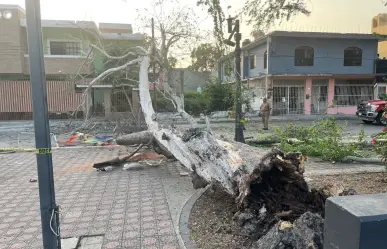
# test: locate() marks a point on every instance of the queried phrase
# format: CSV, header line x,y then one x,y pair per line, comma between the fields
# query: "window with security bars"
x,y
352,95
353,57
65,48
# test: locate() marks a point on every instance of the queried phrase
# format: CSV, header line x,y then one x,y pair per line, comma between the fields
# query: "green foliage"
x,y
362,143
205,57
259,13
214,8
195,103
172,61
264,13
220,96
379,141
383,96
323,139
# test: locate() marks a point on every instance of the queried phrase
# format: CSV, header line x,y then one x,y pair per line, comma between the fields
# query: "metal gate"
x,y
288,100
319,98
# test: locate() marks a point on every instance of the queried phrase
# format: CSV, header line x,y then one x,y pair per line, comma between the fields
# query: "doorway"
x,y
98,101
319,99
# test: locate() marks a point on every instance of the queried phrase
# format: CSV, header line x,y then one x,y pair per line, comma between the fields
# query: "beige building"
x,y
66,49
379,26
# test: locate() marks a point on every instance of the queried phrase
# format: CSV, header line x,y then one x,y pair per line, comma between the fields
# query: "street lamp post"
x,y
48,208
239,137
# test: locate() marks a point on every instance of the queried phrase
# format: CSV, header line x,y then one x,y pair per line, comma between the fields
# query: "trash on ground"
x,y
79,138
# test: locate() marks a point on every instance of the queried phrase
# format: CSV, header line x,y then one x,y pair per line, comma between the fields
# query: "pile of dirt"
x,y
211,223
214,222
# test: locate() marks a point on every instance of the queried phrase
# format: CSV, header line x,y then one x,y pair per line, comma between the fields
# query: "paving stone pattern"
x,y
128,207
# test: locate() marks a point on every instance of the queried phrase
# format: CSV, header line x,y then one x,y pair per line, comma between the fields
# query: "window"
x,y
304,56
265,60
352,57
353,92
252,61
65,48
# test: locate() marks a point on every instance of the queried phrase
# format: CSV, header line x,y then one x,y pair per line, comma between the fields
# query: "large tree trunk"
x,y
213,160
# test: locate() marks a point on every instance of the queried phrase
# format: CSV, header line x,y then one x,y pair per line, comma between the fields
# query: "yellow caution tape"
x,y
38,151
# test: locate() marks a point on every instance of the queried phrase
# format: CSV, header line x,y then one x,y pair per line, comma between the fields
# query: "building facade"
x,y
310,72
68,57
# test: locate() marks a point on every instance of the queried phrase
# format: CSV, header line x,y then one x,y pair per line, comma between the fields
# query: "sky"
x,y
327,15
346,16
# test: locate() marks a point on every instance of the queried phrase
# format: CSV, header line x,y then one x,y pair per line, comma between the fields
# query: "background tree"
x,y
258,33
176,30
259,13
205,57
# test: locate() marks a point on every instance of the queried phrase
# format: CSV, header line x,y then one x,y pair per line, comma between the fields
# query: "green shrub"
x,y
195,103
220,96
379,142
323,139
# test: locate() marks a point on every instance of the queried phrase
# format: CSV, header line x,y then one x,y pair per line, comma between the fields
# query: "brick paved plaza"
x,y
128,207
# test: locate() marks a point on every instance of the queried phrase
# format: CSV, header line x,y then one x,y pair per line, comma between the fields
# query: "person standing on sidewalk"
x,y
265,113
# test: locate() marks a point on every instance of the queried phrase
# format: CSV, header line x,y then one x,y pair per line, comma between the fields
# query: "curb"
x,y
272,118
184,234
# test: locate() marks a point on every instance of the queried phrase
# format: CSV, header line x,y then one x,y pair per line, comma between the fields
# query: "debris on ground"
x,y
79,138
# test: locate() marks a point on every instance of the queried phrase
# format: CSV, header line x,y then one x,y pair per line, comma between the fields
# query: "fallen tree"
x,y
268,188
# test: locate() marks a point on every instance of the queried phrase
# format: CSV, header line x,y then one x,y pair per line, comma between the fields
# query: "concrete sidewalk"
x,y
131,209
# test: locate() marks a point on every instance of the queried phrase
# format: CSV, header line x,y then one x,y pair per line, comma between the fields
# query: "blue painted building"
x,y
309,72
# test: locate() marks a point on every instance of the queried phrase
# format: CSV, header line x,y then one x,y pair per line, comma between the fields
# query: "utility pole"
x,y
239,137
154,64
48,209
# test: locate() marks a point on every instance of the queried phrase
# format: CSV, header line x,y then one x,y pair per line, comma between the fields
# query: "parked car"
x,y
372,111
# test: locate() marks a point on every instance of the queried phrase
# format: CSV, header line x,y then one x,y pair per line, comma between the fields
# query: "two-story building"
x,y
66,54
309,72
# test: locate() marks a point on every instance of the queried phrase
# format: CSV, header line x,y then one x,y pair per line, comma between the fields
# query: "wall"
x,y
62,66
328,56
259,53
11,46
191,80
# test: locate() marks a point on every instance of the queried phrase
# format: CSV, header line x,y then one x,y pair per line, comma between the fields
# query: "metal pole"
x,y
239,137
48,208
154,64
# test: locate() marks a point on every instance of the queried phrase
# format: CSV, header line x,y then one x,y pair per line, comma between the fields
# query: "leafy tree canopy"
x,y
205,57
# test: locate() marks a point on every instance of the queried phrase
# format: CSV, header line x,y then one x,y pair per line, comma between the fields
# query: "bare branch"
x,y
100,77
165,96
118,57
